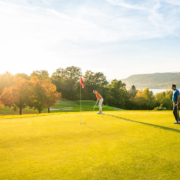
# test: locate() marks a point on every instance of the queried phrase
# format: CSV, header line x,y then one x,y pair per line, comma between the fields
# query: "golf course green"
x,y
117,145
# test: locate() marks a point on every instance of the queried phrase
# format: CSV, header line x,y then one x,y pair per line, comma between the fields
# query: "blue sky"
x,y
116,37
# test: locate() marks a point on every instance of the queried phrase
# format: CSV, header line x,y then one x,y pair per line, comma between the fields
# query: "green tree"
x,y
132,92
43,74
23,75
165,98
118,95
150,99
95,81
67,81
58,79
98,79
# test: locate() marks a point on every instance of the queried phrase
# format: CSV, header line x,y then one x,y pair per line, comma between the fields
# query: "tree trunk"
x,y
20,111
48,109
39,111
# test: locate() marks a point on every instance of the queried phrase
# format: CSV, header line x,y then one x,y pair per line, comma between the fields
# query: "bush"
x,y
160,108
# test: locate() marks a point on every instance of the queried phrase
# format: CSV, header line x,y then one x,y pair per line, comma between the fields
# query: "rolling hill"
x,y
153,81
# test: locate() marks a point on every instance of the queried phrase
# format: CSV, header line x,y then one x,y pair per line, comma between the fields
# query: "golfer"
x,y
176,100
100,99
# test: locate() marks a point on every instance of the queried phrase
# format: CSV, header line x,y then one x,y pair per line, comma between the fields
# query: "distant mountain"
x,y
153,81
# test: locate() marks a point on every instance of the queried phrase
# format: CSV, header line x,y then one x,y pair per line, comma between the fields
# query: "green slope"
x,y
74,106
115,146
63,106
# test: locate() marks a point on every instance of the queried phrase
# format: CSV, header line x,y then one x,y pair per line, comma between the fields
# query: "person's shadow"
x,y
153,125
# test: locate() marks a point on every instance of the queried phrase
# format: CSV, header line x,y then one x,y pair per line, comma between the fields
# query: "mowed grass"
x,y
8,111
121,145
62,106
74,106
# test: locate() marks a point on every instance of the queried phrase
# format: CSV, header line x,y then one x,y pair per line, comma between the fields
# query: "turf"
x,y
121,145
74,106
8,111
63,106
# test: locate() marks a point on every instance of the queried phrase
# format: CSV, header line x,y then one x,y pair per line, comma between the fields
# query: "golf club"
x,y
177,115
94,106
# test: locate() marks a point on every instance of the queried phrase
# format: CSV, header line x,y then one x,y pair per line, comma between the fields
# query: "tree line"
x,y
146,100
34,93
66,82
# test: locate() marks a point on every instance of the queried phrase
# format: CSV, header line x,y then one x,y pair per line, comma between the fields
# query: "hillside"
x,y
153,81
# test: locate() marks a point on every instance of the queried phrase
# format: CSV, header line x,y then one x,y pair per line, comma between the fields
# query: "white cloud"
x,y
173,2
38,33
45,24
126,5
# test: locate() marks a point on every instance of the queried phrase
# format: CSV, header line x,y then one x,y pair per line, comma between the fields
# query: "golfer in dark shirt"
x,y
176,100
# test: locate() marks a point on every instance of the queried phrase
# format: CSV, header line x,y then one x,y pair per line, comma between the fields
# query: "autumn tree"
x,y
1,104
6,80
144,99
6,98
51,95
43,93
17,95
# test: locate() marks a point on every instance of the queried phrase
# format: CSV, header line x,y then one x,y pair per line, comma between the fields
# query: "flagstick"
x,y
80,106
81,83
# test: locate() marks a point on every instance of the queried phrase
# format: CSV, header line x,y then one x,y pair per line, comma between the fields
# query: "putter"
x,y
177,115
94,106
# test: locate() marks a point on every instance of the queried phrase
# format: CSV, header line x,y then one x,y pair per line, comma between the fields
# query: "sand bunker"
x,y
63,109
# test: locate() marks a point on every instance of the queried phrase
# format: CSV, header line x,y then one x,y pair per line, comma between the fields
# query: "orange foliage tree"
x,y
1,104
43,94
35,93
6,80
6,97
51,95
17,95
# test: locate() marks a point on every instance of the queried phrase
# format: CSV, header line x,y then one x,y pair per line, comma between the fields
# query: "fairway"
x,y
63,106
118,145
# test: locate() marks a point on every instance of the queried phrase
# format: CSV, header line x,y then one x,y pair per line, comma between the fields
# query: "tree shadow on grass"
x,y
153,125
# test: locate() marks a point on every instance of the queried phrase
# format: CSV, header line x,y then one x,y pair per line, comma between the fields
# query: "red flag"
x,y
81,82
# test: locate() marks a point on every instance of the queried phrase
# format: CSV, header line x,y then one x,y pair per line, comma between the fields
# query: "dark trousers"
x,y
175,110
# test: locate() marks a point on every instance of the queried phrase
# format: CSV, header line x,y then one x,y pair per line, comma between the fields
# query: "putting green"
x,y
116,145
